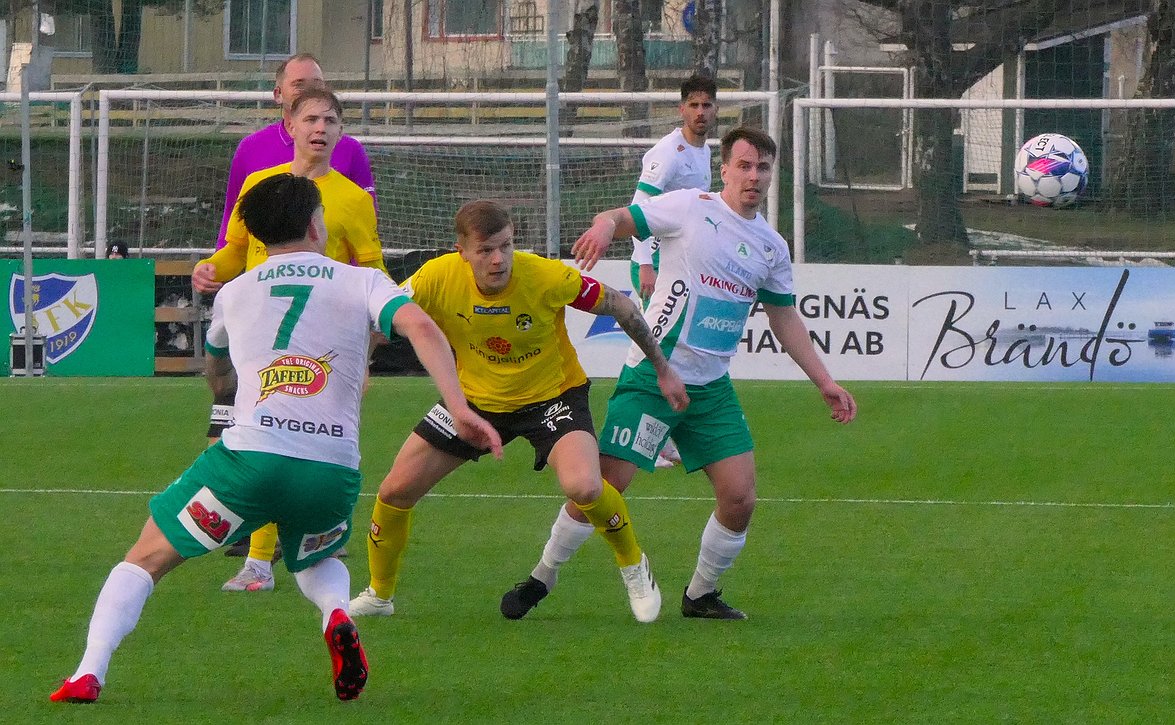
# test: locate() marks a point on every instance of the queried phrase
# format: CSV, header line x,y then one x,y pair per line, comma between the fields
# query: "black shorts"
x,y
543,424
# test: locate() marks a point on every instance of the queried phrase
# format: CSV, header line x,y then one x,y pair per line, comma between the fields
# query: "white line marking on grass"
x,y
553,497
926,385
88,383
937,385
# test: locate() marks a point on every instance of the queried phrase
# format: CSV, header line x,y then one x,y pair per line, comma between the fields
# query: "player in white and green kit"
x,y
718,257
680,160
296,330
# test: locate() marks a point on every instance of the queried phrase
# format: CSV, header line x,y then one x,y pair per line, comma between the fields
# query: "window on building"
x,y
244,21
448,18
377,19
651,10
72,36
525,19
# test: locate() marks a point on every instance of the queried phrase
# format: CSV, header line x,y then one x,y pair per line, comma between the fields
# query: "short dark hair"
x,y
319,93
279,208
698,83
281,69
481,217
761,141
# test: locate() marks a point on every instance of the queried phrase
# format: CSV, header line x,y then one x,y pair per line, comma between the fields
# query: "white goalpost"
x,y
73,201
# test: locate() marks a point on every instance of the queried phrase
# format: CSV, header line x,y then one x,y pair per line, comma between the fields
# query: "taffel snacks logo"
x,y
295,375
64,310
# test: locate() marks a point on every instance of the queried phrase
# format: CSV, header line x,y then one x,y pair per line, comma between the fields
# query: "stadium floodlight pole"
x,y
26,183
367,64
187,59
552,153
773,30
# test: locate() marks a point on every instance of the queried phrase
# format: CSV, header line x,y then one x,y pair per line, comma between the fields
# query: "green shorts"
x,y
639,421
228,494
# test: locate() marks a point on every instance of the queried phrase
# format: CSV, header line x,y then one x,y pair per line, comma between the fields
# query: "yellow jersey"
x,y
349,212
512,347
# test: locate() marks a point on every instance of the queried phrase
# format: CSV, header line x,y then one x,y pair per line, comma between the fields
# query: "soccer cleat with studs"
x,y
249,579
369,604
644,596
523,598
84,690
347,658
709,606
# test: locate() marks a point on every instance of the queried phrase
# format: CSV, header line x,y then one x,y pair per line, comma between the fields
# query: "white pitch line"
x,y
552,497
913,385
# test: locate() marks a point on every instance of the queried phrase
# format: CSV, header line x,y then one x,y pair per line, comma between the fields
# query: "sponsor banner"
x,y
856,316
97,316
855,313
946,323
1042,324
599,341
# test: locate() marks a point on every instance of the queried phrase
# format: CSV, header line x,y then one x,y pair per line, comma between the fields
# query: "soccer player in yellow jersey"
x,y
349,211
503,313
316,128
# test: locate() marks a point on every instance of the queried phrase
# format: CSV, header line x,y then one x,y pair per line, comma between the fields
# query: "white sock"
x,y
263,566
567,535
328,585
719,547
115,614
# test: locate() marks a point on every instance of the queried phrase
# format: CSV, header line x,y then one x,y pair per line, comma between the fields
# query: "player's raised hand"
x,y
592,244
844,407
477,431
204,279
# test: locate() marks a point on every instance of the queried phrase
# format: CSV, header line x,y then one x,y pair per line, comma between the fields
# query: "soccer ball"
x,y
1051,170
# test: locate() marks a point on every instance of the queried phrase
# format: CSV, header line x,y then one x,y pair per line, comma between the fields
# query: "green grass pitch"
x,y
962,553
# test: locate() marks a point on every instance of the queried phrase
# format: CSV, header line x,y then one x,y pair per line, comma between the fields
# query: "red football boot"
x,y
83,689
346,656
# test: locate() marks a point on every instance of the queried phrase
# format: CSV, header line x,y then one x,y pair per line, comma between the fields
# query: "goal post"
x,y
51,193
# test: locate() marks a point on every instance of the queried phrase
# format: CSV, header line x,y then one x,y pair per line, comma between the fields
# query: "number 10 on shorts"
x,y
650,433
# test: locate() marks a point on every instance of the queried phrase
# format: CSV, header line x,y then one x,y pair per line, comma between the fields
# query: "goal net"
x,y
970,187
164,158
57,183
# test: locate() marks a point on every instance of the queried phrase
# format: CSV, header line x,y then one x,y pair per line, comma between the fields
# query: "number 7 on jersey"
x,y
298,294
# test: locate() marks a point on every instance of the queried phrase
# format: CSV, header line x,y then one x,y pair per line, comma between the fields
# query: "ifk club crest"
x,y
296,375
64,310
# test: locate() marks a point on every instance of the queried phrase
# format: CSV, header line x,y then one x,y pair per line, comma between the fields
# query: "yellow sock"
x,y
385,546
609,514
263,542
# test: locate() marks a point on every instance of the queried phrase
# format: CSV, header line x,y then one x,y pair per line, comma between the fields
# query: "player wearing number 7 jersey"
x,y
316,126
296,329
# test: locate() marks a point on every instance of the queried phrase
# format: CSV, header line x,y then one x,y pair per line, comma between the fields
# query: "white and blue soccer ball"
x,y
1051,170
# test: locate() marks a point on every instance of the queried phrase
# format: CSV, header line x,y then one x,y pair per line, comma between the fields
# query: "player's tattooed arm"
x,y
628,317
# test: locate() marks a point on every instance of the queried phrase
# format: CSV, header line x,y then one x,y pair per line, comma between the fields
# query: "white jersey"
x,y
672,164
297,328
714,264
